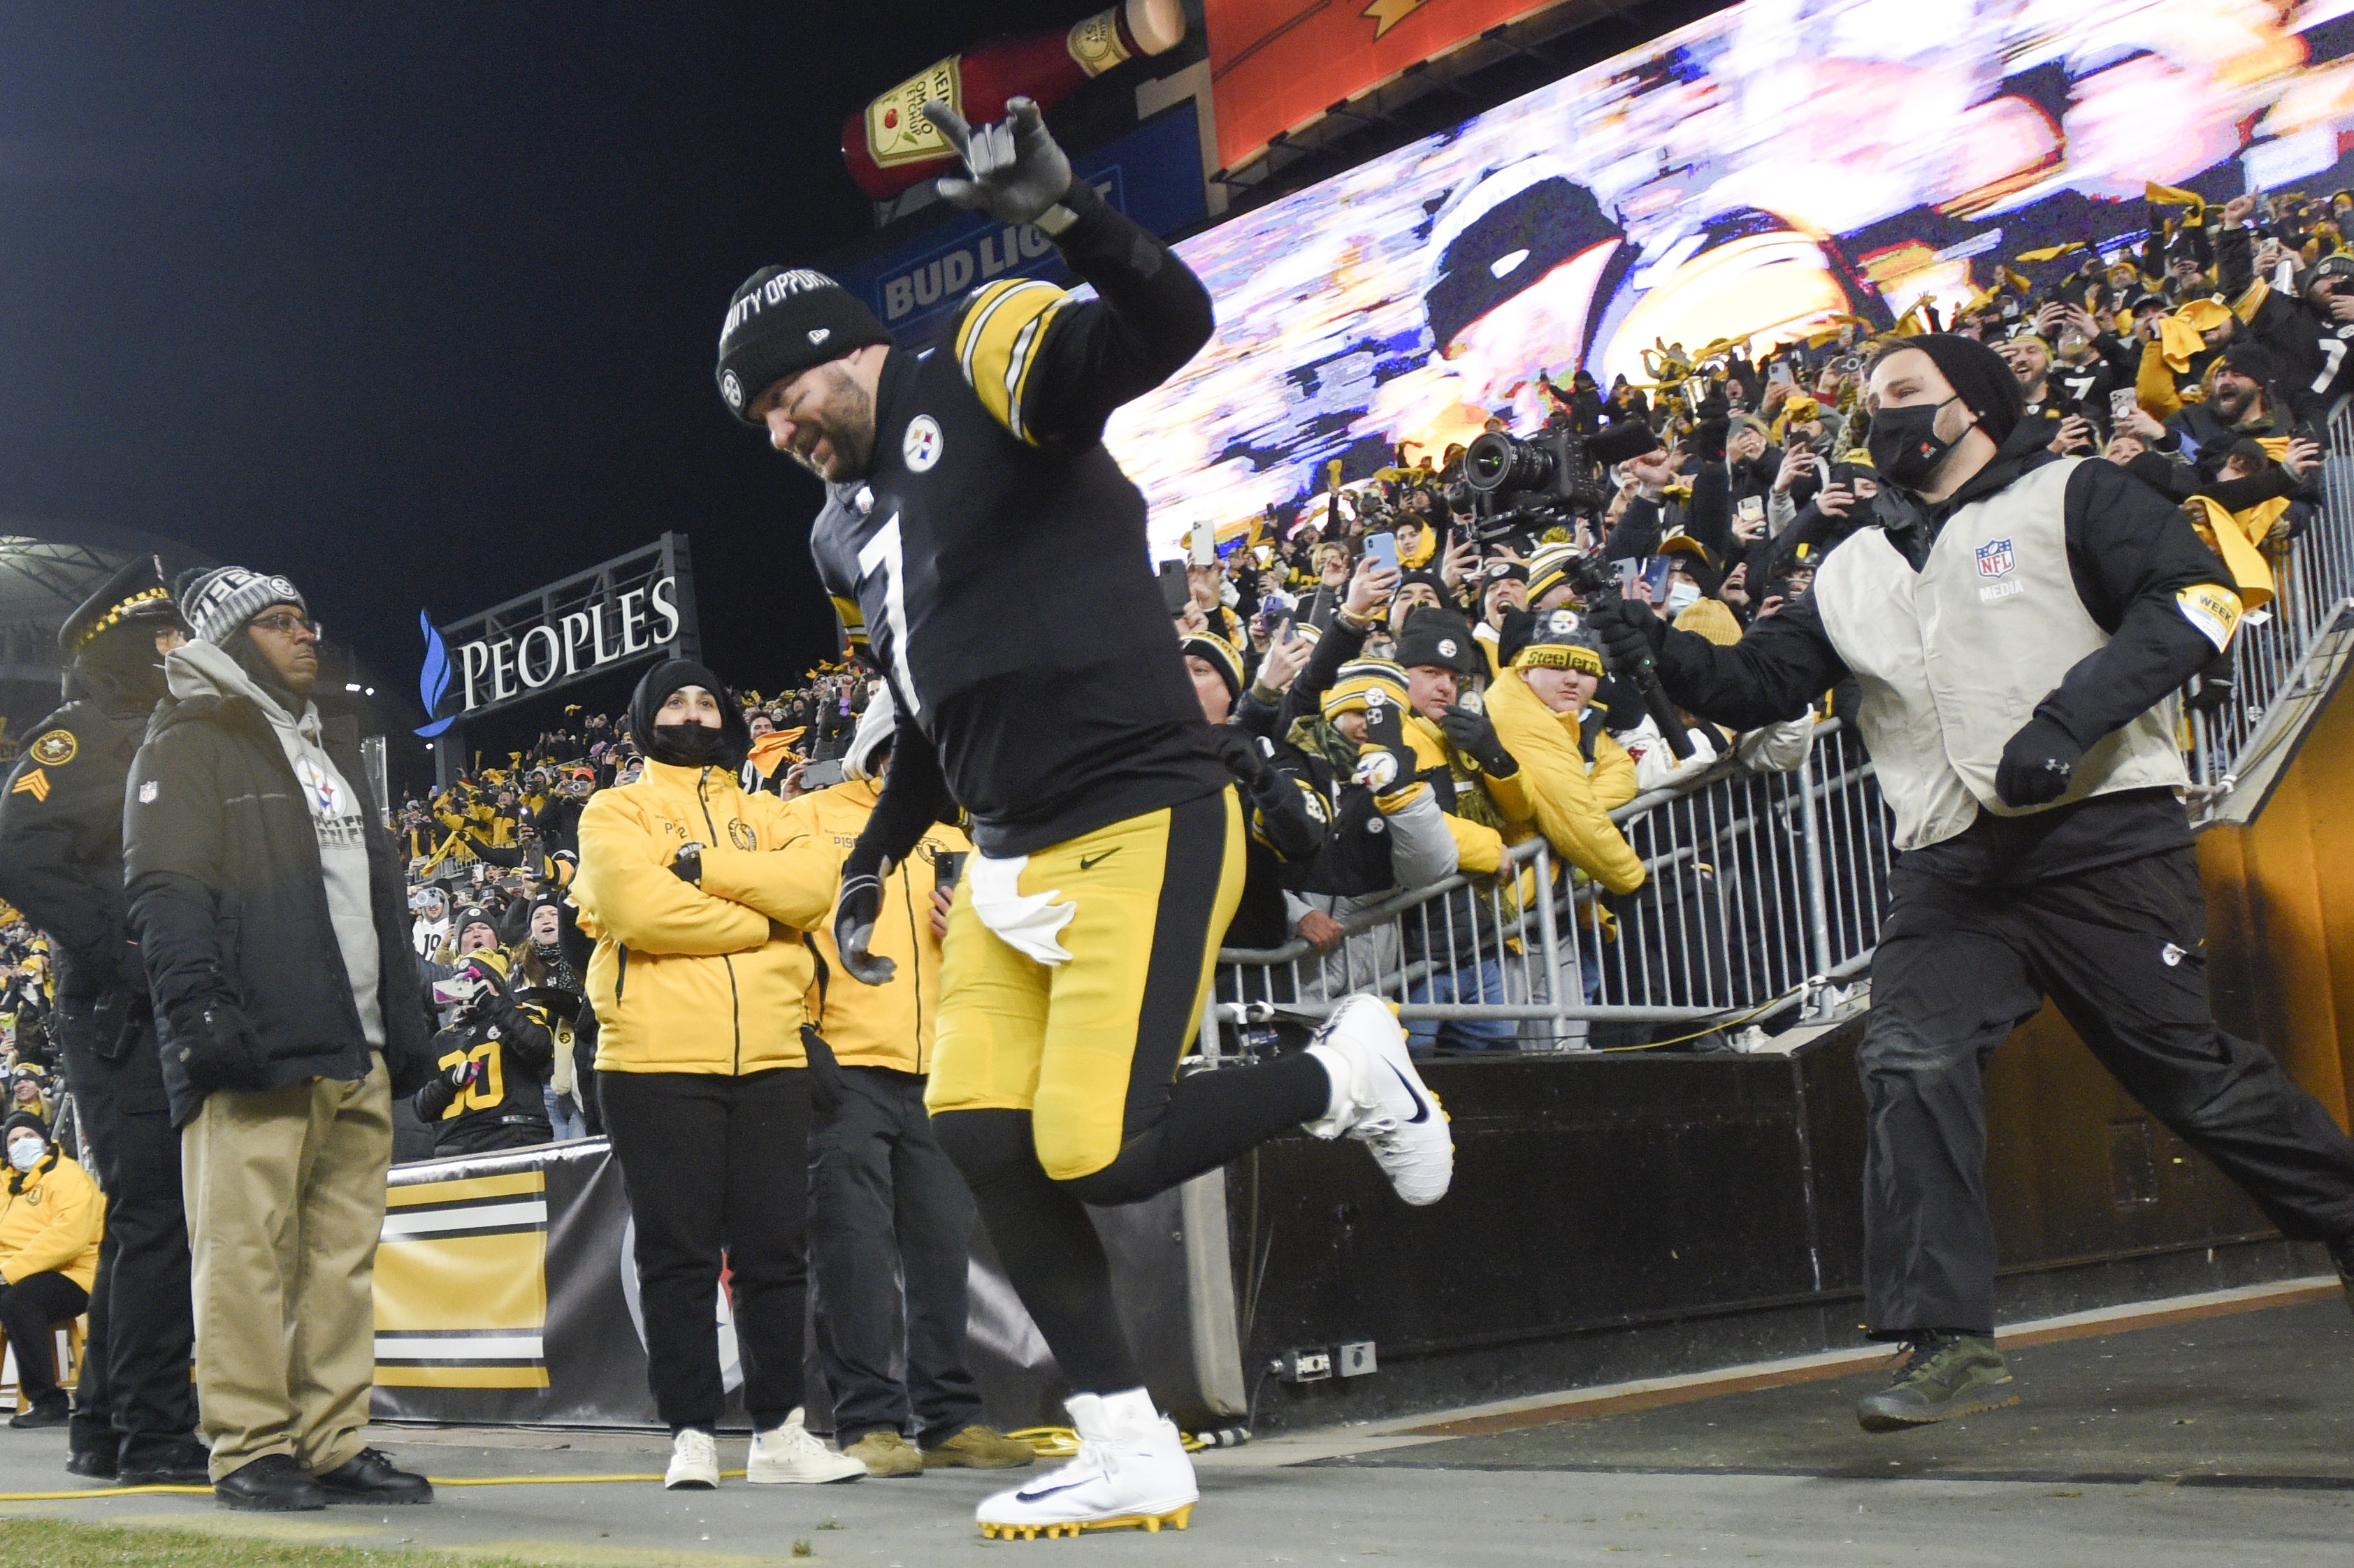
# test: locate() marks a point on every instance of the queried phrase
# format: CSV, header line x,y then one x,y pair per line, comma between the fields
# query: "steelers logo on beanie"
x,y
780,323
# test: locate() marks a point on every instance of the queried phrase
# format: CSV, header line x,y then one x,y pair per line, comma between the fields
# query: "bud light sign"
x,y
1153,174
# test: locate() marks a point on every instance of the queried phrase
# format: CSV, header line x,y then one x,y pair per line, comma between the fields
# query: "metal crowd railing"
x,y
1764,890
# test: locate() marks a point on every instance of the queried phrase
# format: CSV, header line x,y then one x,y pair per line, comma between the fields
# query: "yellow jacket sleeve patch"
x,y
997,345
34,783
2213,609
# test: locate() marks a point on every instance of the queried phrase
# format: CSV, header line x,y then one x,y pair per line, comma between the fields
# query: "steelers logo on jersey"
x,y
921,446
54,749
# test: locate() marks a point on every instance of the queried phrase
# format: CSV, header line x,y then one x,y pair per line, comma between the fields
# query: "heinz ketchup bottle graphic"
x,y
890,146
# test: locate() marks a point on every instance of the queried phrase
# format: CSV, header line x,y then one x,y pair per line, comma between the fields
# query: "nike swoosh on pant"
x,y
1421,1106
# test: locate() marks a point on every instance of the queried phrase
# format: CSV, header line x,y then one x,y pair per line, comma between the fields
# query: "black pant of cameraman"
x,y
135,1409
889,1216
2122,949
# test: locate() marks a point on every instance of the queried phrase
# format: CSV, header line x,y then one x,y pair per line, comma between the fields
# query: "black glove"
x,y
855,914
215,1046
687,864
2037,765
1390,763
1630,632
824,1072
1474,734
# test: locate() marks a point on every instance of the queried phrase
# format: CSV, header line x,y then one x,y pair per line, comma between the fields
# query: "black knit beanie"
x,y
1983,378
657,739
780,323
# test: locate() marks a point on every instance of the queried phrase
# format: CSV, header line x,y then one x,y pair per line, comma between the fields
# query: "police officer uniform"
x,y
62,863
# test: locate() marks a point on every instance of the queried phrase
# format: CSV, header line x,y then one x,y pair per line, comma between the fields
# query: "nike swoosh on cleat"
x,y
1421,1106
1050,1492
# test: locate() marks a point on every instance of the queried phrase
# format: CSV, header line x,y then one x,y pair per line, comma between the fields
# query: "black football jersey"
x,y
993,567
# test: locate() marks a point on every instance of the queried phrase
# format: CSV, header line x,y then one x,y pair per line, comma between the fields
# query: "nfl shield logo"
x,y
1994,559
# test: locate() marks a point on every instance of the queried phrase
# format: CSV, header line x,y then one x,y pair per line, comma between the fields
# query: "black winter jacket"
x,y
228,902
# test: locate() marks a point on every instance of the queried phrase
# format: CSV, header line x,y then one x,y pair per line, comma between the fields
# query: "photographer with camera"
x,y
2044,857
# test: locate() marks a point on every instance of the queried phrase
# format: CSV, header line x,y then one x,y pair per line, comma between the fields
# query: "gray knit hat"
x,y
216,604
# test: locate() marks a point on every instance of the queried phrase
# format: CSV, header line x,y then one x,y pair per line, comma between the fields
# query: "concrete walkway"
x,y
2219,1435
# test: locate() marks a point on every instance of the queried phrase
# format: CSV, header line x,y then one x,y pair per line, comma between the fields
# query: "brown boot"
x,y
979,1448
885,1453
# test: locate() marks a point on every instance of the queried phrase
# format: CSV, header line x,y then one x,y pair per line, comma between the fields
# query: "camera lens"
x,y
1497,462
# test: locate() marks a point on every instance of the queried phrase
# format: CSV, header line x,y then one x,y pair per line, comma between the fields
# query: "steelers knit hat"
x,y
1712,618
1560,641
1362,683
217,603
1221,655
780,323
1550,567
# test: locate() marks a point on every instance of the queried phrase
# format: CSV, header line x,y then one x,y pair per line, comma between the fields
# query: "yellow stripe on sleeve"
x,y
854,623
997,345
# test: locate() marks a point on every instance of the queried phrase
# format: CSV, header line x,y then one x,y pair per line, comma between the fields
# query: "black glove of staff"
x,y
2038,764
1630,632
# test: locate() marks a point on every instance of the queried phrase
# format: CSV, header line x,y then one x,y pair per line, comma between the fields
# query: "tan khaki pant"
x,y
285,1194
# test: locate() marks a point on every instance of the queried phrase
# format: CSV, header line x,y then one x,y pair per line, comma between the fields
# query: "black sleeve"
x,y
2129,552
1636,532
51,831
1774,673
528,1040
1708,518
915,796
433,1100
1150,316
2236,264
2239,494
1305,696
171,863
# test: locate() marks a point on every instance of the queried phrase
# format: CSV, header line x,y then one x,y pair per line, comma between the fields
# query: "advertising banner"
x,y
506,1294
1765,175
634,607
1153,174
1276,67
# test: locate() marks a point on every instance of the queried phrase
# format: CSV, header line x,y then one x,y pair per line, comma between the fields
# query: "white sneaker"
x,y
694,1462
1380,1100
1131,1473
792,1453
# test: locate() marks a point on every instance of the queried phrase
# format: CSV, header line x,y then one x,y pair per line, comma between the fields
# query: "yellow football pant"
x,y
1090,1046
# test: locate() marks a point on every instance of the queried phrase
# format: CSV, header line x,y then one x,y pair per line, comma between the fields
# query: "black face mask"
x,y
1905,447
686,744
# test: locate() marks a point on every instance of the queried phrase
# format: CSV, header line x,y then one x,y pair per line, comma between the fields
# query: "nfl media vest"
x,y
1953,659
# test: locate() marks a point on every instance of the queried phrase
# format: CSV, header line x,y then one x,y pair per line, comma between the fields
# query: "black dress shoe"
x,y
370,1477
54,1414
181,1464
272,1484
96,1463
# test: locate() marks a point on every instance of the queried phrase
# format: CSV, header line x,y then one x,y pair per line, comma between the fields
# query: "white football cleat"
x,y
792,1453
1381,1101
1131,1473
694,1462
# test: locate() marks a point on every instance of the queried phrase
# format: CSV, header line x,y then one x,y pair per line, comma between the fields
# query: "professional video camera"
x,y
1554,481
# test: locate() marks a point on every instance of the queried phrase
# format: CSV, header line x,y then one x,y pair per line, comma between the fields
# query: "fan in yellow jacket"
x,y
700,896
1572,774
51,1217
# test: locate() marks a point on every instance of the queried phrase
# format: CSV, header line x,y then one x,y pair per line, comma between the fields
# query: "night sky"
x,y
418,303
